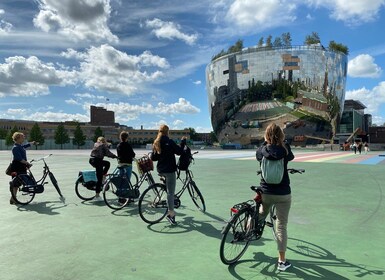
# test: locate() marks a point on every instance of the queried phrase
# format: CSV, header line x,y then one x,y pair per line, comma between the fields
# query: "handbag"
x,y
9,170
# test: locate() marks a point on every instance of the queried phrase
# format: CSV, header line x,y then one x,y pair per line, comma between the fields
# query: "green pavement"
x,y
336,226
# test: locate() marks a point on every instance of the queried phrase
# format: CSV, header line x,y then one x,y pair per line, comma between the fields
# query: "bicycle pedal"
x,y
269,224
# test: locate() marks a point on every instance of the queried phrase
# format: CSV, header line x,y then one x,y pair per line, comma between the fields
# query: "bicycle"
x,y
153,201
244,225
28,187
118,191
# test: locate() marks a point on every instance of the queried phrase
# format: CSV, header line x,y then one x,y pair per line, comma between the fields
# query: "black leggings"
x,y
101,167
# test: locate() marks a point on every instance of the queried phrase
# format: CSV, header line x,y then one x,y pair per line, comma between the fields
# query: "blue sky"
x,y
146,59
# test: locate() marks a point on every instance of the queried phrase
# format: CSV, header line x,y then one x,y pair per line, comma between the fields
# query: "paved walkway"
x,y
336,228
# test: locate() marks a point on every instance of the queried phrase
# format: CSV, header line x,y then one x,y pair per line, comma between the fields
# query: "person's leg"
x,y
106,166
98,165
170,184
282,205
129,172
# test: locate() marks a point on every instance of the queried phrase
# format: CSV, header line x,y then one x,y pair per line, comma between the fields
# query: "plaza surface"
x,y
336,224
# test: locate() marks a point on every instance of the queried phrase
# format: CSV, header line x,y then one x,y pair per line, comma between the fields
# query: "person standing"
x,y
126,154
366,147
99,151
275,148
164,151
19,161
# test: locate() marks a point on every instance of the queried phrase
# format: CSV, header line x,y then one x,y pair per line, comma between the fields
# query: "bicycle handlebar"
x,y
42,158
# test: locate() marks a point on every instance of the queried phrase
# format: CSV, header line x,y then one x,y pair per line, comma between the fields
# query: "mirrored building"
x,y
297,87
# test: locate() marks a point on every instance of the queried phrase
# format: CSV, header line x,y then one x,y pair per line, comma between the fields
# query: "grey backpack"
x,y
272,170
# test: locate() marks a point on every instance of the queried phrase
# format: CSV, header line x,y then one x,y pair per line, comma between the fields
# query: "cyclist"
x,y
276,148
125,154
164,150
99,151
19,162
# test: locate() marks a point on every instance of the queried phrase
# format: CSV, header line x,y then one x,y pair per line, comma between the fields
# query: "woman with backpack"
x,y
275,148
164,151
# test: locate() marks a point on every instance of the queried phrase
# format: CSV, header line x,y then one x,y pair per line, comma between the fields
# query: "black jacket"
x,y
125,152
276,152
166,159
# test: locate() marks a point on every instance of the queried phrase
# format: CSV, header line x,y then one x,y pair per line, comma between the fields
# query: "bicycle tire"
x,y
235,238
82,191
196,196
20,196
152,204
111,199
134,178
54,183
273,221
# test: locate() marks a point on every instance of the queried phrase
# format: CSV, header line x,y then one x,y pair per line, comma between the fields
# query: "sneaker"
x,y
98,198
171,220
282,266
12,201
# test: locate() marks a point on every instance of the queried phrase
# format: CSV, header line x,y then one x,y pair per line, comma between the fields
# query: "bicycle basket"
x,y
145,164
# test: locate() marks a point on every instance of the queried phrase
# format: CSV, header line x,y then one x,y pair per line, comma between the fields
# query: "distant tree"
x,y
36,135
333,111
338,47
3,133
79,137
313,38
61,136
260,42
286,39
269,44
213,137
237,47
193,135
8,139
98,132
277,42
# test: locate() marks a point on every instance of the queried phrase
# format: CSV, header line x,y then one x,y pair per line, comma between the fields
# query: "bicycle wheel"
x,y
111,199
54,183
196,196
20,196
153,204
83,191
273,221
236,237
134,178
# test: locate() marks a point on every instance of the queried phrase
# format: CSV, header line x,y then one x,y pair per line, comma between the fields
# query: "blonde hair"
x,y
101,139
274,135
16,136
163,131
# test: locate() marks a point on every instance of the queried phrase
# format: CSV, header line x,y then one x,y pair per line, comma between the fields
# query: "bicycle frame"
x,y
186,180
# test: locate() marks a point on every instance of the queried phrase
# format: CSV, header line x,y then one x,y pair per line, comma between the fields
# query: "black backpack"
x,y
184,159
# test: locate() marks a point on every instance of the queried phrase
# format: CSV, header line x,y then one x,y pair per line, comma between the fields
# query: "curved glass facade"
x,y
292,86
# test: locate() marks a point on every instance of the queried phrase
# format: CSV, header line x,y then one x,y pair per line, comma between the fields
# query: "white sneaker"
x,y
98,198
282,266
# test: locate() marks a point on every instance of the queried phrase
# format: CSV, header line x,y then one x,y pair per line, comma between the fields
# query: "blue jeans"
x,y
126,170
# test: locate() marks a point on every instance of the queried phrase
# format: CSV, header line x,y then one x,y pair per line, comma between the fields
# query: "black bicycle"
x,y
245,226
118,191
24,187
153,201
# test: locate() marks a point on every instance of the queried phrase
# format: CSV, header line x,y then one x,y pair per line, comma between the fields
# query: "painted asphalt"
x,y
336,224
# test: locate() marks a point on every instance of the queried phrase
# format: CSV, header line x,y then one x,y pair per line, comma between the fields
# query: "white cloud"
x,y
76,19
170,30
259,15
20,76
5,26
363,66
125,111
46,116
71,101
372,99
106,68
352,12
197,82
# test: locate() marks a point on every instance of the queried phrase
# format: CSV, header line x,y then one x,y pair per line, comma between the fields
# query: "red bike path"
x,y
336,224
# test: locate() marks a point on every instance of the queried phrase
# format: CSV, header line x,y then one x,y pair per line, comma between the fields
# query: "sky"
x,y
146,59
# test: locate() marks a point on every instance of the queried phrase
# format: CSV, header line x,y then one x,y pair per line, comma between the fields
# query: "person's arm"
x,y
290,155
178,149
258,153
108,153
